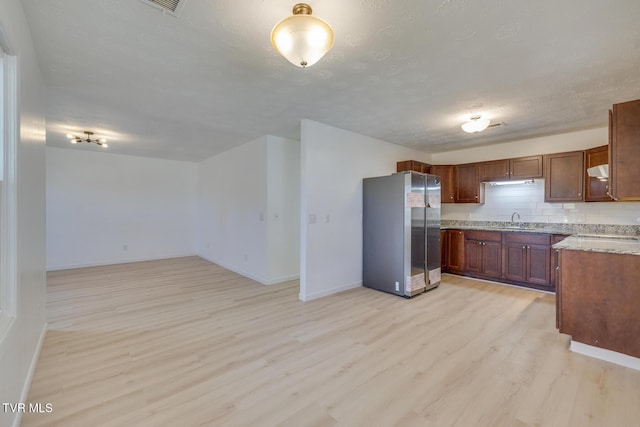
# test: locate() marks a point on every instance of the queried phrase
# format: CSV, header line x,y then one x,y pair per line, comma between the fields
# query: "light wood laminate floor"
x,y
184,342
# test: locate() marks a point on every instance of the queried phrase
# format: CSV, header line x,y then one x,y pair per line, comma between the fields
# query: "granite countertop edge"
x,y
615,239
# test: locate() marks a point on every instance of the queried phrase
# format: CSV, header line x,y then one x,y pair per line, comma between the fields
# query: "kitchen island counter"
x,y
625,245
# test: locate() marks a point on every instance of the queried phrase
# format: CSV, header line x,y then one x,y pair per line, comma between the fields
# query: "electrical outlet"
x,y
327,219
397,286
312,218
125,247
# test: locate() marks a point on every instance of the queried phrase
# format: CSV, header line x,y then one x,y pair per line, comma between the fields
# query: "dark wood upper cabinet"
x,y
496,170
526,167
468,187
624,151
519,168
448,185
413,165
564,177
596,190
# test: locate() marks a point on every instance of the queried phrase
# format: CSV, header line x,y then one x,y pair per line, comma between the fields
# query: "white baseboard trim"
x,y
606,355
283,279
327,292
116,261
241,272
32,369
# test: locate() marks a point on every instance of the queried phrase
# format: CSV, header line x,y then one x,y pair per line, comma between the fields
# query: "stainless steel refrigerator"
x,y
401,233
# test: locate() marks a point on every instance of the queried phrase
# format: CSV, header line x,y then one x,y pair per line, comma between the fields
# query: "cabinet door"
x,y
564,177
473,256
555,255
525,167
596,190
492,259
448,185
455,250
443,249
468,184
412,165
538,265
557,281
624,174
497,170
515,260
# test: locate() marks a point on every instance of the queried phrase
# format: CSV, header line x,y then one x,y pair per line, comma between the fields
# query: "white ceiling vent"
x,y
172,7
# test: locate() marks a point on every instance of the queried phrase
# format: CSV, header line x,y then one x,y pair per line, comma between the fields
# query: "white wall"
x,y
232,205
283,207
334,162
106,208
20,345
528,200
247,199
527,147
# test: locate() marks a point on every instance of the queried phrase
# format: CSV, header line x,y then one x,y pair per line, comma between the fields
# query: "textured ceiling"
x,y
187,87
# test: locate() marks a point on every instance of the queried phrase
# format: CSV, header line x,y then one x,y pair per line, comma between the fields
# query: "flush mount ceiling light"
x,y
302,39
102,142
475,124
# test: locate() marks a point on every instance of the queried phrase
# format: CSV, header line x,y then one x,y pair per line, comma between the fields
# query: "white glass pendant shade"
x,y
302,39
476,124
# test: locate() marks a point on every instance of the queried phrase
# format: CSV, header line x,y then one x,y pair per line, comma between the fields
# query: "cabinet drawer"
x,y
489,236
527,238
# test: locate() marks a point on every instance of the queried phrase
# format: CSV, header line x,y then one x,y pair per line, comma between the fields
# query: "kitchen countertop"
x,y
625,245
618,239
629,231
507,228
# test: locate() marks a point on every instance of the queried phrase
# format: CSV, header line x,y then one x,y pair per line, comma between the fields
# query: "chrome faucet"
x,y
514,214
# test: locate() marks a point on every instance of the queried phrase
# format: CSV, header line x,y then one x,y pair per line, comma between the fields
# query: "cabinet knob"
x,y
579,194
524,247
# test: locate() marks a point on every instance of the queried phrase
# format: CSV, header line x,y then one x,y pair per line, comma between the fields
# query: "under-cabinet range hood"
x,y
600,171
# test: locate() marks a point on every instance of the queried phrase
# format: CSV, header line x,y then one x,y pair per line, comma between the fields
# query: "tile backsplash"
x,y
528,200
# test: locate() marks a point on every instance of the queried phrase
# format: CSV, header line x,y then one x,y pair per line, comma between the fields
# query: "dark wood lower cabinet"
x,y
443,249
539,266
483,254
515,256
527,259
524,259
455,251
599,298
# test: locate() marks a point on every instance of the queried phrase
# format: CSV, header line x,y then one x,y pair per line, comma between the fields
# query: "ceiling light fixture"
x,y
302,39
475,124
102,142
